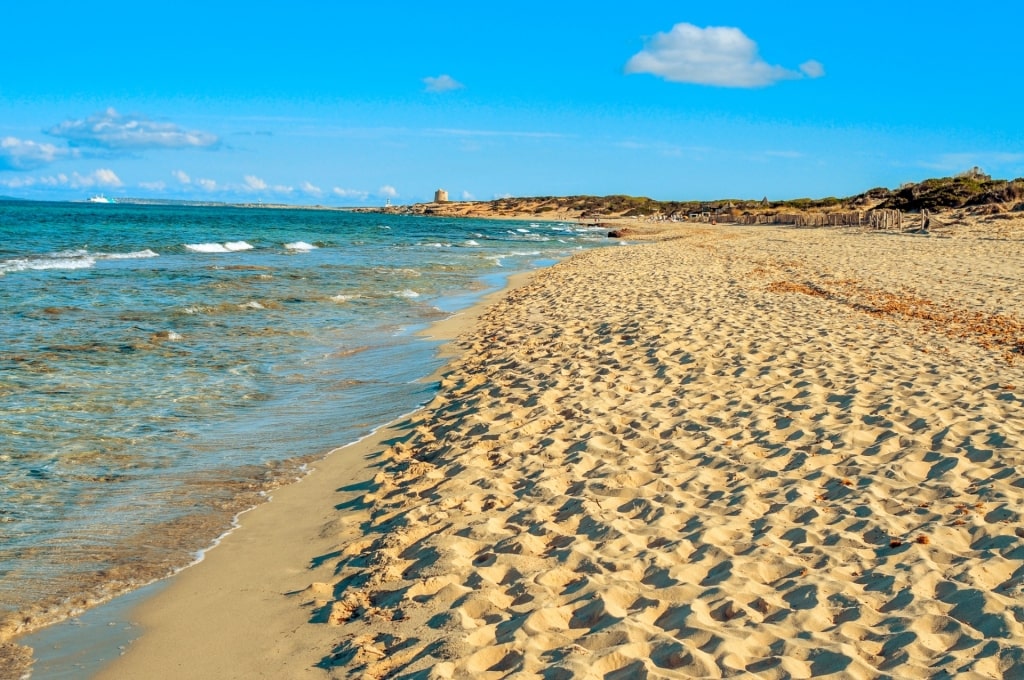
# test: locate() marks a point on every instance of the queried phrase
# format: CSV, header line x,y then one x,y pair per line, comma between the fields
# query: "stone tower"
x,y
440,196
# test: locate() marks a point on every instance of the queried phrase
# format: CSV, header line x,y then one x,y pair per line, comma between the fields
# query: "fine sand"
x,y
735,451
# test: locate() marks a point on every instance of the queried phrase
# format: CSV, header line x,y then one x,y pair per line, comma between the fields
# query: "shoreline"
x,y
40,613
268,539
562,497
101,647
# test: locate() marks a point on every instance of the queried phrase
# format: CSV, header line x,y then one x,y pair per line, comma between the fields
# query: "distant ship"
x,y
99,198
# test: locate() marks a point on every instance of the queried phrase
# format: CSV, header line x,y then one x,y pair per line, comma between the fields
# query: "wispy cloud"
x,y
257,184
24,154
442,83
959,162
254,183
102,177
250,184
662,148
721,56
668,149
17,182
350,193
388,191
311,189
461,132
111,130
106,177
812,68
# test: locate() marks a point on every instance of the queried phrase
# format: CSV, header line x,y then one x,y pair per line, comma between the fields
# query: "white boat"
x,y
99,198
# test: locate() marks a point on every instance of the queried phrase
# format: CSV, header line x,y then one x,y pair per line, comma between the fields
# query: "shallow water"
x,y
161,367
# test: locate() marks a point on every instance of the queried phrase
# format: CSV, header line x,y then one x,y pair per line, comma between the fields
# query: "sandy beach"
x,y
730,451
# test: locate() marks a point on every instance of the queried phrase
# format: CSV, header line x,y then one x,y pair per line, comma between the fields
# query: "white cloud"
x,y
388,191
254,183
311,189
54,180
24,154
111,130
153,186
466,196
18,182
812,69
106,177
103,177
181,176
350,193
718,55
207,184
442,83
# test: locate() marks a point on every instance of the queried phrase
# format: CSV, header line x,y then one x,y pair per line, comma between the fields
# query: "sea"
x,y
163,366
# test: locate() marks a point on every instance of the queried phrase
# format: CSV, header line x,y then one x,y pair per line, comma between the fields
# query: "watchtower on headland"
x,y
440,196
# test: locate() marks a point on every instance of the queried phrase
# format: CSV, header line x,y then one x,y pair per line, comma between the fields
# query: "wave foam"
x,y
301,246
137,255
206,247
58,261
79,258
228,247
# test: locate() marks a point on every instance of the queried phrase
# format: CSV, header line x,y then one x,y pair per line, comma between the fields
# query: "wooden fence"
x,y
874,219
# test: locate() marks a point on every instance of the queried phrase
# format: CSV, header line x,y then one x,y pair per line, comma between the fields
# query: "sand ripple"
x,y
661,462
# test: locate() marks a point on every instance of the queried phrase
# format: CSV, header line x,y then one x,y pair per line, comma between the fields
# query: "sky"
x,y
349,104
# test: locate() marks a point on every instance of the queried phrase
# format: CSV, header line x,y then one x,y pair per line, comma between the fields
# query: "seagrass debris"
x,y
1003,333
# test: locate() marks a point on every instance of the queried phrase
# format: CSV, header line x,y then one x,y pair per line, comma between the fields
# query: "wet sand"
x,y
738,450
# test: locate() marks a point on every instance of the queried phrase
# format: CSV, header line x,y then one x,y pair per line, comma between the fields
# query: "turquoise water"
x,y
162,366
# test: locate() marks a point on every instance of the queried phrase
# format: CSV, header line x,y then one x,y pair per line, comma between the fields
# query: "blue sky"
x,y
339,103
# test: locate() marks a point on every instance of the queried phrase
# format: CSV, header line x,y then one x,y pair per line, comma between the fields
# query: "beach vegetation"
x,y
962,191
972,190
